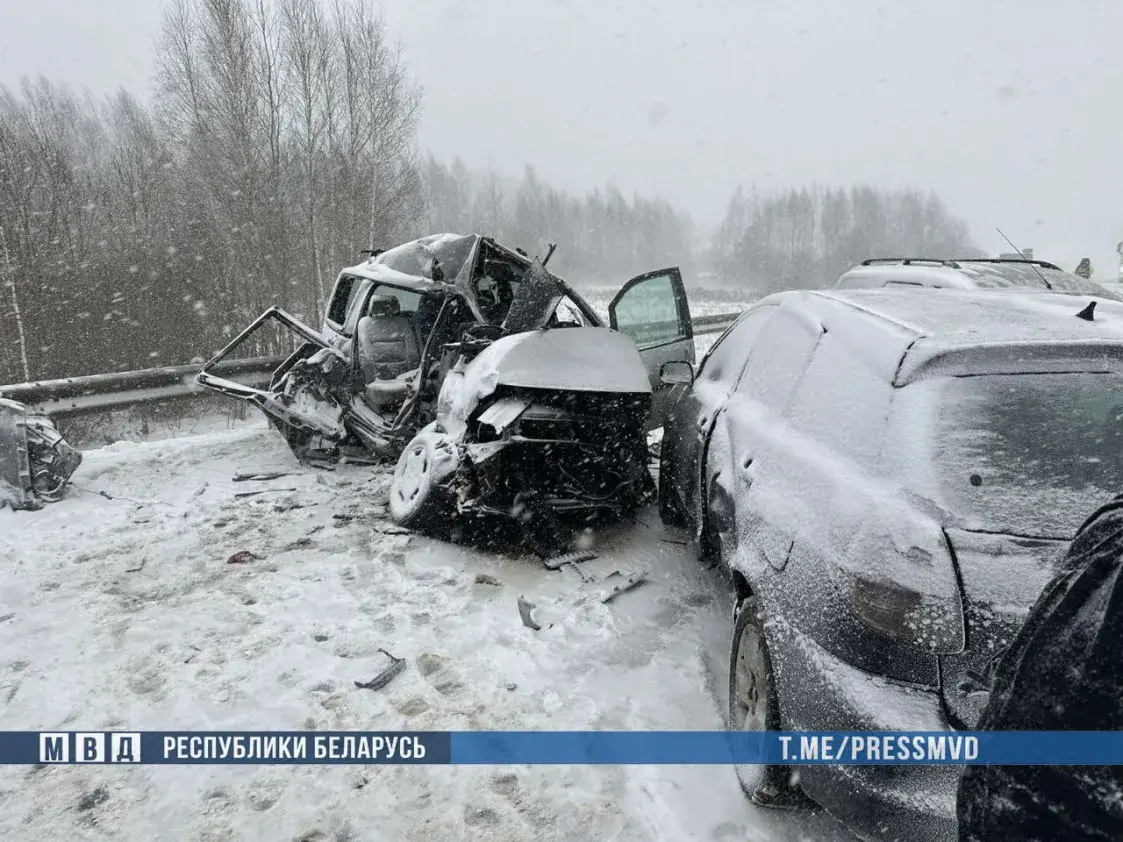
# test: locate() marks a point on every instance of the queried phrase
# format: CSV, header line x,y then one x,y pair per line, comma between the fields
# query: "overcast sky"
x,y
1011,109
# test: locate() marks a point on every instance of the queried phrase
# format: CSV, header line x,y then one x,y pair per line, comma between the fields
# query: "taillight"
x,y
901,583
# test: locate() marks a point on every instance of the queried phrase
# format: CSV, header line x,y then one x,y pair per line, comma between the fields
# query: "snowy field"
x,y
704,300
124,613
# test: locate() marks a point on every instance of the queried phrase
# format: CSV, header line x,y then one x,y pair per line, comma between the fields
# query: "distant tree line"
x,y
279,143
807,237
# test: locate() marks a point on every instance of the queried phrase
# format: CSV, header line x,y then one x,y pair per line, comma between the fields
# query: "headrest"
x,y
383,305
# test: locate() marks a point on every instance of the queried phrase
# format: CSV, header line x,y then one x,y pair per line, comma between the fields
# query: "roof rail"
x,y
908,261
1042,263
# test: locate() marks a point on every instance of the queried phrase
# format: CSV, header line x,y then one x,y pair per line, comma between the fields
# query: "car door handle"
x,y
748,463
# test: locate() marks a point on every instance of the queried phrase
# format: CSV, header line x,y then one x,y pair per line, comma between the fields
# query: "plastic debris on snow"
x,y
397,665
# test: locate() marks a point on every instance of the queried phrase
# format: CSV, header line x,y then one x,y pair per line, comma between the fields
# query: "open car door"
x,y
652,310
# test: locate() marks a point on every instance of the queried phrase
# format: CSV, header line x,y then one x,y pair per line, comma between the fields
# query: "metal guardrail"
x,y
109,392
120,390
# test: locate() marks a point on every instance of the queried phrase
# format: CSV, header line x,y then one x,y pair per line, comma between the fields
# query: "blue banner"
x,y
615,748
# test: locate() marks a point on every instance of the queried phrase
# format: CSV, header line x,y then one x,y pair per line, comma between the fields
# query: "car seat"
x,y
386,351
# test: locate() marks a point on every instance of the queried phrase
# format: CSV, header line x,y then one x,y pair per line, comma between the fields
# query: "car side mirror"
x,y
677,373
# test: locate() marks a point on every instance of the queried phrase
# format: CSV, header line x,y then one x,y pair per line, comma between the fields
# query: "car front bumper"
x,y
819,692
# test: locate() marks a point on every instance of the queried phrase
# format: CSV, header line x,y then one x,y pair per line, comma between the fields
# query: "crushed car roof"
x,y
919,327
426,264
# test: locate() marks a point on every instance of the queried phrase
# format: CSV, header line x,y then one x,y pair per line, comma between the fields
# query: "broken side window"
x,y
341,299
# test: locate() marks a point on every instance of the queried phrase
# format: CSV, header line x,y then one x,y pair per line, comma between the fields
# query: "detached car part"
x,y
35,462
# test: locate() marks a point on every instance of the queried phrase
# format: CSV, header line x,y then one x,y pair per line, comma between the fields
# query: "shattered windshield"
x,y
1027,454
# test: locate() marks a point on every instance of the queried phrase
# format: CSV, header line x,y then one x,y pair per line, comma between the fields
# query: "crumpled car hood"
x,y
577,359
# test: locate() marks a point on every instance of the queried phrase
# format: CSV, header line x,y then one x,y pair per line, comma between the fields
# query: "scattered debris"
x,y
386,676
287,507
526,607
263,491
260,477
109,496
137,567
569,558
297,544
390,529
242,557
628,583
191,657
199,491
675,541
512,686
487,579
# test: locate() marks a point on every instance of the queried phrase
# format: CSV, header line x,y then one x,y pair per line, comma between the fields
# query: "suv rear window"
x,y
1028,454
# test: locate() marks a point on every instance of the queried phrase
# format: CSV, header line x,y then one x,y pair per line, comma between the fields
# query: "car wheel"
x,y
417,499
752,701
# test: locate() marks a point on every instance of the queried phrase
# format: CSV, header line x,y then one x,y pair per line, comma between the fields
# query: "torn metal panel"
x,y
503,413
36,463
535,302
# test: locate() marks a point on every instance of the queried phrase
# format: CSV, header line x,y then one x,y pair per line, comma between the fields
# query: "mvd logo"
x,y
89,747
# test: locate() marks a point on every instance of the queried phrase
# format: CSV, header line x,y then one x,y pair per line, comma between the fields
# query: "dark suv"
x,y
889,477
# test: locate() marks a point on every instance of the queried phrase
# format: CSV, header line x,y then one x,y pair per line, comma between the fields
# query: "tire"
x,y
752,703
417,499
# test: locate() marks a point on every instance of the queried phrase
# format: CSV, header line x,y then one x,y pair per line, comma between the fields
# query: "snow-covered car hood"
x,y
577,359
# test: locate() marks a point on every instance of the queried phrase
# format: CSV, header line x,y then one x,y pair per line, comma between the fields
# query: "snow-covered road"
x,y
123,613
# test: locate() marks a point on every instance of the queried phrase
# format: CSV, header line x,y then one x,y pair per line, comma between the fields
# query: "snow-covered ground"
x,y
123,613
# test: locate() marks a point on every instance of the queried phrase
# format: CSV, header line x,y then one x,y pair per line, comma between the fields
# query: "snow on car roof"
x,y
410,265
906,330
968,274
961,317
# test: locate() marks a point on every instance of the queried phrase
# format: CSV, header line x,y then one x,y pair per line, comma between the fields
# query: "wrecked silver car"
x,y
502,366
534,425
36,463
